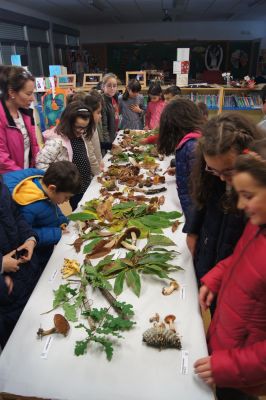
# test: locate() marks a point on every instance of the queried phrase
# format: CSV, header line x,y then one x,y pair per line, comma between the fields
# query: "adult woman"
x,y
18,143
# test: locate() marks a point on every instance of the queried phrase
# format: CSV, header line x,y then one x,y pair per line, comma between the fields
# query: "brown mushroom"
x,y
169,319
133,233
61,326
155,317
168,290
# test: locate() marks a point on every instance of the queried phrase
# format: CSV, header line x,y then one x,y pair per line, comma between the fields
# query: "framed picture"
x,y
66,81
91,79
139,75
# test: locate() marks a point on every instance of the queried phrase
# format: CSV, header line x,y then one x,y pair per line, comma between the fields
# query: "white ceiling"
x,y
84,12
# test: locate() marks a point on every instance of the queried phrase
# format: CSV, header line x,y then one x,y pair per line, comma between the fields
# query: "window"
x,y
6,51
37,35
11,31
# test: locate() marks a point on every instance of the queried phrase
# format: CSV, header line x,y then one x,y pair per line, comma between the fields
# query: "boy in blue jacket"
x,y
38,194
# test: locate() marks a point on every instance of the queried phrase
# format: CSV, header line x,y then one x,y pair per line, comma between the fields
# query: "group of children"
x,y
220,168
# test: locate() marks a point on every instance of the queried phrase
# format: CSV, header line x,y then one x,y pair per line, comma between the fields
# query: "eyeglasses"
x,y
80,128
114,86
226,172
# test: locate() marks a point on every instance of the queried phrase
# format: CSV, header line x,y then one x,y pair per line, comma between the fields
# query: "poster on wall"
x,y
16,60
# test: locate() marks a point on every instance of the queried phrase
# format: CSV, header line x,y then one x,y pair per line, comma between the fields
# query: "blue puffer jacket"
x,y
14,231
185,156
218,231
44,216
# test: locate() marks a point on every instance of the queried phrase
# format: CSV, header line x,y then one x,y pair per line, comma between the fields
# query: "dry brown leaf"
x,y
175,225
77,244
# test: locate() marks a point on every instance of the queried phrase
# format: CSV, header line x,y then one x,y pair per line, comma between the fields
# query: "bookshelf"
x,y
211,96
243,100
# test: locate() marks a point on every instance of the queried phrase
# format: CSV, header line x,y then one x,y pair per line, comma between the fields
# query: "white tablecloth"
x,y
136,372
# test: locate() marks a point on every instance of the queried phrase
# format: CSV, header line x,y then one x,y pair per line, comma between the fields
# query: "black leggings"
x,y
233,394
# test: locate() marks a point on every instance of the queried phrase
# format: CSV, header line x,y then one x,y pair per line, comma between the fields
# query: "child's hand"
x,y
135,108
28,247
192,242
205,297
170,171
9,283
203,369
143,141
64,228
9,263
102,166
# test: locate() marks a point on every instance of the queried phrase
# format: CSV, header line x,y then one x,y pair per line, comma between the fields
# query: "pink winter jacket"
x,y
58,148
11,140
153,114
237,334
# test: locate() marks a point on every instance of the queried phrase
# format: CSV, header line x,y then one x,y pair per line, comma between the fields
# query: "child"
x,y
262,123
237,334
215,225
204,110
37,194
18,143
94,102
69,141
155,107
180,127
171,93
131,105
110,111
19,271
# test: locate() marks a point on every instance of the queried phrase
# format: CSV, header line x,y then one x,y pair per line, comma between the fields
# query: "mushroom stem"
x,y
168,290
128,245
42,333
134,238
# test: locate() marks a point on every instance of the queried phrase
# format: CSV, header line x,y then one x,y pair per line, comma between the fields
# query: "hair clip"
x,y
83,109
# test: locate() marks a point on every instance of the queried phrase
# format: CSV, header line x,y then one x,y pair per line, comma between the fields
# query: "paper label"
x,y
52,277
47,347
182,292
184,362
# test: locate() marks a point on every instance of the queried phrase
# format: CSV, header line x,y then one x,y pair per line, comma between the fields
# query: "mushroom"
x,y
61,325
168,290
132,233
169,319
155,317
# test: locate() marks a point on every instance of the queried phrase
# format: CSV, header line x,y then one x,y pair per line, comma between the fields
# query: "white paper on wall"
x,y
176,67
183,54
182,80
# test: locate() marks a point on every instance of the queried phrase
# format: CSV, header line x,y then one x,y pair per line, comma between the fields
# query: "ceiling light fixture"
x,y
96,4
166,16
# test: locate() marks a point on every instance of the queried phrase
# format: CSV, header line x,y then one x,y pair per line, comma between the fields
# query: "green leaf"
x,y
89,247
144,230
62,294
98,314
133,281
82,216
105,261
126,309
70,312
155,270
169,214
160,240
119,283
117,267
81,347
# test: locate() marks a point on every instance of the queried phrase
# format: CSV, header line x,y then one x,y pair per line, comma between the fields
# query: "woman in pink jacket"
x,y
237,334
18,143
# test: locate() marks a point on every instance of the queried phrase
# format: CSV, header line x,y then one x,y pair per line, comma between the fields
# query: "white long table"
x,y
136,372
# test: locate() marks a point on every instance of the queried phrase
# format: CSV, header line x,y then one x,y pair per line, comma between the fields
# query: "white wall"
x,y
7,5
163,31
